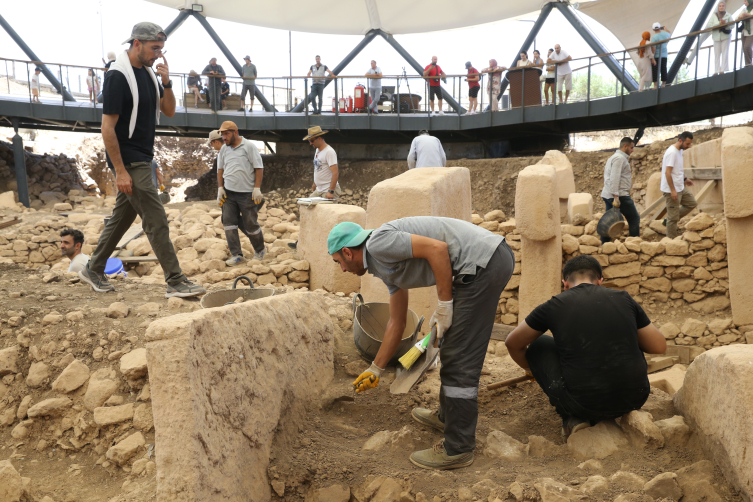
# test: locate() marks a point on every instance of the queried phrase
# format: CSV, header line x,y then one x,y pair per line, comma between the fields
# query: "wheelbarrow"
x,y
228,296
370,323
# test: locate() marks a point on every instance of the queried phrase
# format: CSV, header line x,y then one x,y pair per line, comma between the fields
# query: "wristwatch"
x,y
168,85
331,191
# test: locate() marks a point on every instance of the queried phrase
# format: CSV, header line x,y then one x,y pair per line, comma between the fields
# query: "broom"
x,y
415,352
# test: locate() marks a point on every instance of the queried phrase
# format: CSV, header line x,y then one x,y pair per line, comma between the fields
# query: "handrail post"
x,y
337,107
523,95
306,98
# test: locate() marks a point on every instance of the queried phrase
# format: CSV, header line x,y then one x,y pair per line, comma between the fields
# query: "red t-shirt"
x,y
471,72
436,71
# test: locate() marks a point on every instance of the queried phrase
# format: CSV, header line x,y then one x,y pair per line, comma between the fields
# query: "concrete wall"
x,y
223,387
381,152
418,192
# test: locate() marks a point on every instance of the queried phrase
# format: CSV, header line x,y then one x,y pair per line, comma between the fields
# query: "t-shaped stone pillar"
x,y
565,177
737,150
537,218
429,191
316,222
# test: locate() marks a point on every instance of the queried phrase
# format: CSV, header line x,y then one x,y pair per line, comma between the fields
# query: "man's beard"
x,y
69,252
144,60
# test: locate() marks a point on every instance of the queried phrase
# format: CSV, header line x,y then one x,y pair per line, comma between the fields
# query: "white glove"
x,y
221,195
442,317
257,195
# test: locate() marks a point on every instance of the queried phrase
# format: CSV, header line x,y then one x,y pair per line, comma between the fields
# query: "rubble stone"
x,y
500,445
598,441
11,486
117,310
640,429
9,360
126,449
674,430
113,414
134,364
73,376
50,407
664,486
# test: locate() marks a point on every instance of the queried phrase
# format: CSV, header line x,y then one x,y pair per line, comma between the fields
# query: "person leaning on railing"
x,y
549,78
494,84
745,17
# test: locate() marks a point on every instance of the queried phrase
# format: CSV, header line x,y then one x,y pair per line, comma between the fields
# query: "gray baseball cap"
x,y
148,32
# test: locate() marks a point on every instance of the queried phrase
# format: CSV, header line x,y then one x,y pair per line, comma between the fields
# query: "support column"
x,y
19,159
33,57
340,67
229,55
545,10
182,16
614,66
689,41
416,66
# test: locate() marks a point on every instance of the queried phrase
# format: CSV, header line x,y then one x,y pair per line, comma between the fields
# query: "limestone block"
x,y
8,201
50,407
717,399
628,480
674,430
653,190
113,414
536,206
9,360
564,170
580,203
670,381
73,376
500,445
134,364
554,491
740,263
11,486
664,486
432,191
101,386
737,150
127,448
598,441
640,429
221,387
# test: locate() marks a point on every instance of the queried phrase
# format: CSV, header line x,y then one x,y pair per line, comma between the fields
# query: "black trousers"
x,y
660,66
629,211
240,212
464,348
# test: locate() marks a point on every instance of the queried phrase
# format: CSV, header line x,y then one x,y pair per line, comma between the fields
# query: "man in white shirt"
x,y
326,172
239,175
673,182
426,151
71,241
563,71
375,86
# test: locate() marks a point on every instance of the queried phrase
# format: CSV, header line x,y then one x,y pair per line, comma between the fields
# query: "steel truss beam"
x,y
689,41
545,10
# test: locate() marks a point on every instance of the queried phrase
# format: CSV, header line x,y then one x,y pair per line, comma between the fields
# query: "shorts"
x,y
549,80
473,92
435,91
566,80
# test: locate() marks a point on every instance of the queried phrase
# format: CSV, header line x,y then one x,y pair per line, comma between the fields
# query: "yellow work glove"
x,y
369,379
221,196
257,196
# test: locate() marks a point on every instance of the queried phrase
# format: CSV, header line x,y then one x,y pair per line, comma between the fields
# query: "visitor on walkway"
x,y
494,84
524,61
426,151
239,175
473,87
433,72
224,91
249,84
93,85
110,60
747,35
35,86
318,71
133,98
618,181
214,73
645,62
326,172
592,368
375,86
470,267
194,86
561,60
660,54
71,241
680,201
549,79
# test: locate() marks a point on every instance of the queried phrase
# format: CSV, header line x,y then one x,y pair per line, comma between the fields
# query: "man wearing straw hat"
x,y
470,267
326,173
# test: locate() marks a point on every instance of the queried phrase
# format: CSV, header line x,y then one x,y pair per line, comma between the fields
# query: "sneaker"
x,y
259,255
234,260
98,282
241,109
293,245
427,417
572,425
184,289
437,458
440,113
664,222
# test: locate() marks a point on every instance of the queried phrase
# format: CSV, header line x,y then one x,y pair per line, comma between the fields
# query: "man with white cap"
x,y
133,98
239,175
249,84
326,172
660,54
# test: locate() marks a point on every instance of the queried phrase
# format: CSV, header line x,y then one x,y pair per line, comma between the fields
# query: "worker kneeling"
x,y
592,368
470,267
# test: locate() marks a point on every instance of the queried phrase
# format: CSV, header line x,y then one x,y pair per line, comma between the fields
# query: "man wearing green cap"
x,y
470,267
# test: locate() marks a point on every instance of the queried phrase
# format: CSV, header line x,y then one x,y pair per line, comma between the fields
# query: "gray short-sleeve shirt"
x,y
389,253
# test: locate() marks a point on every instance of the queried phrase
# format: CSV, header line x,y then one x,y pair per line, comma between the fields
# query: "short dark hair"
x,y
685,135
78,236
583,265
524,52
626,141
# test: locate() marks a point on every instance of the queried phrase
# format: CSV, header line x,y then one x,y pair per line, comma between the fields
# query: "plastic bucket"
x,y
370,323
114,267
228,296
611,224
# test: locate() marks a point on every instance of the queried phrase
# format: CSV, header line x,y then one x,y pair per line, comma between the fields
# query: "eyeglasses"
x,y
156,50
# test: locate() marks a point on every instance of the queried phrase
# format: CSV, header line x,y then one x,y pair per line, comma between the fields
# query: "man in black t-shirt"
x,y
133,100
592,368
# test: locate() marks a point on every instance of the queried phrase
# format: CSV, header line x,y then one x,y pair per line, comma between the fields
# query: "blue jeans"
x,y
317,90
628,210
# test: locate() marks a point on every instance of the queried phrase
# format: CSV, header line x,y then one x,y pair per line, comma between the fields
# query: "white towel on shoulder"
x,y
123,65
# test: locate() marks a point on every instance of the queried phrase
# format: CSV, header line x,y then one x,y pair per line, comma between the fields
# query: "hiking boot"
x,y
664,222
437,458
184,289
259,255
572,425
427,417
293,245
234,260
98,282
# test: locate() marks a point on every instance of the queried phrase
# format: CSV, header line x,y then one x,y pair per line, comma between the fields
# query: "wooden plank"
x,y
500,331
705,190
704,173
650,209
8,223
137,259
132,233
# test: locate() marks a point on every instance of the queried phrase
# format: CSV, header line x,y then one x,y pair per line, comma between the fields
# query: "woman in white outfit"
x,y
721,37
645,61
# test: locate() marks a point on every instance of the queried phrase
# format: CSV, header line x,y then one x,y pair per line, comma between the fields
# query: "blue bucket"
x,y
115,267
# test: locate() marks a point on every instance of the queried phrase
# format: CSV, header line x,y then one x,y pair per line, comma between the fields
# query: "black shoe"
x,y
98,282
293,245
241,109
572,425
664,222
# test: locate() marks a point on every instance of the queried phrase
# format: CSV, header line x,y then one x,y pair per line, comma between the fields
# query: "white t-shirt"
x,y
672,157
35,81
323,159
375,82
78,263
562,69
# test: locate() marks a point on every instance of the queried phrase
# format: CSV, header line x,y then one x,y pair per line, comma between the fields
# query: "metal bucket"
x,y
228,296
611,224
370,323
